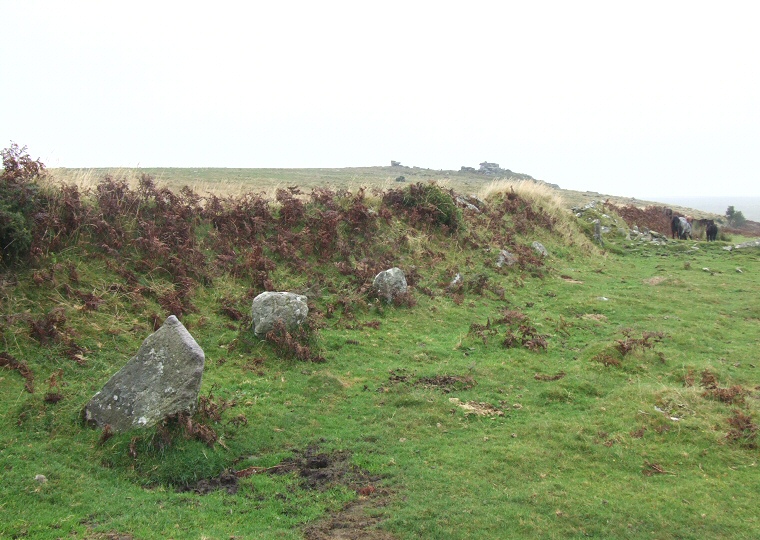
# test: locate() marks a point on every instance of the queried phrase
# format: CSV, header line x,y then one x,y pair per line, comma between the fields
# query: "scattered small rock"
x,y
540,249
506,258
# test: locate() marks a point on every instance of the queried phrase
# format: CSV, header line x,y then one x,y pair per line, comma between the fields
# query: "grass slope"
x,y
624,407
230,181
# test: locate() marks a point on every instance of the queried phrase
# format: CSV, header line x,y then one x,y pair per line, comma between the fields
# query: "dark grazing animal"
x,y
712,232
675,224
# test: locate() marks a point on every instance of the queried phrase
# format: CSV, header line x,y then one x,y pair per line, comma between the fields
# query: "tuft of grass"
x,y
546,199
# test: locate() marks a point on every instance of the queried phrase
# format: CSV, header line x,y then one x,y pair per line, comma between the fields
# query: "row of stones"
x,y
164,377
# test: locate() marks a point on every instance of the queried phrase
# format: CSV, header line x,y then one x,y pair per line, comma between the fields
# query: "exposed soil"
x,y
353,522
478,409
322,470
446,383
546,378
227,481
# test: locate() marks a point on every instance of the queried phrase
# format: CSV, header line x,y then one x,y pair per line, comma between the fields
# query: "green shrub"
x,y
735,217
18,200
426,204
15,236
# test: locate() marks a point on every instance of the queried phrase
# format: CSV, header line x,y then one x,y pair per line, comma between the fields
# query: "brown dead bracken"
x,y
543,377
650,469
6,360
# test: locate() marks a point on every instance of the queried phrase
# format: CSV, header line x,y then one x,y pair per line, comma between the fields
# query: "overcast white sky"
x,y
629,98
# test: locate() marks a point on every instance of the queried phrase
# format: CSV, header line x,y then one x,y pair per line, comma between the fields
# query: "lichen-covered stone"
x,y
270,307
390,283
162,379
506,258
540,249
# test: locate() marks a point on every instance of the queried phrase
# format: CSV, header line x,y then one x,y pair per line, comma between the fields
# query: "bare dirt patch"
x,y
226,481
323,470
477,408
594,317
354,522
655,280
446,383
546,378
109,536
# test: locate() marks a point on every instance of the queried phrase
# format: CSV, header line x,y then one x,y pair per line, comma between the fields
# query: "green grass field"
x,y
624,406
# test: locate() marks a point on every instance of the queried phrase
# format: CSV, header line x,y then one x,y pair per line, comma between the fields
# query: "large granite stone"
x,y
270,307
162,379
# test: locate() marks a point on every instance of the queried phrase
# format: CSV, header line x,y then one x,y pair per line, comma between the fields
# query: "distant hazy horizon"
x,y
612,97
748,206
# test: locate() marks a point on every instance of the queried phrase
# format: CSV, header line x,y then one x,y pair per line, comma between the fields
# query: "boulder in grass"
x,y
162,379
270,307
456,283
390,283
540,249
506,258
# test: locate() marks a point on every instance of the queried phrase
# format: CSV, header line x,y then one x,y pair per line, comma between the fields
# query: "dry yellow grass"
x,y
87,179
548,199
529,190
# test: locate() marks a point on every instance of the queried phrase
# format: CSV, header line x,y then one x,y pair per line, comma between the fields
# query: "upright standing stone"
x,y
598,232
270,307
390,283
164,378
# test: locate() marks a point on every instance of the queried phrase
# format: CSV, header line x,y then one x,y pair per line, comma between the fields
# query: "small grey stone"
x,y
751,243
467,203
540,249
506,258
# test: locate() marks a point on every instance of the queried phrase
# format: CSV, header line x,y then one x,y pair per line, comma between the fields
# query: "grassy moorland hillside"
x,y
224,181
608,393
